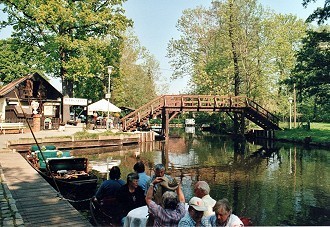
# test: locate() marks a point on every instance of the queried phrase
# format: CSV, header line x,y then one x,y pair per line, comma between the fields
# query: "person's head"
x,y
170,200
201,189
222,210
196,208
114,173
159,170
133,180
139,167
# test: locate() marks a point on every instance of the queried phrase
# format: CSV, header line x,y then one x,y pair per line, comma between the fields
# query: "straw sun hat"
x,y
170,184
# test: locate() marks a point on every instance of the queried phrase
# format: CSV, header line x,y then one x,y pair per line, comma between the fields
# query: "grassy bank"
x,y
319,133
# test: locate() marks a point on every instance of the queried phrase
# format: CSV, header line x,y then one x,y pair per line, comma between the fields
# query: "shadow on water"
x,y
273,184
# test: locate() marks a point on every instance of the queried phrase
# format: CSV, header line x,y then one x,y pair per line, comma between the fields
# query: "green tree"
x,y
283,38
76,38
237,48
139,72
320,14
311,73
16,60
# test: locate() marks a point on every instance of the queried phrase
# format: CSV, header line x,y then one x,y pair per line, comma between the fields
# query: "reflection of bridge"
x,y
169,106
243,159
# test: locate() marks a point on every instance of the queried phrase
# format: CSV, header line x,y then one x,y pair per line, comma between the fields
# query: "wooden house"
x,y
30,89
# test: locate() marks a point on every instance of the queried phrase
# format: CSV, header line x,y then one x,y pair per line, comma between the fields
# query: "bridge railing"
x,y
271,117
148,108
204,101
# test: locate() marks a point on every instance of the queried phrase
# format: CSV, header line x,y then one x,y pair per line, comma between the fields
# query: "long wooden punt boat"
x,y
67,174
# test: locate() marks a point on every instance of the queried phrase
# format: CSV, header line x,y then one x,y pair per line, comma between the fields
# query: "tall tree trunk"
x,y
67,85
233,49
235,60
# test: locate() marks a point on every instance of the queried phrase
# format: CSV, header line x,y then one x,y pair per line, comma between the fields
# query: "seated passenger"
x,y
202,190
143,177
195,213
130,195
110,187
167,183
174,206
223,216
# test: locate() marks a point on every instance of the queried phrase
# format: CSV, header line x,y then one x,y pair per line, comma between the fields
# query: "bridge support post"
x,y
239,124
165,123
164,149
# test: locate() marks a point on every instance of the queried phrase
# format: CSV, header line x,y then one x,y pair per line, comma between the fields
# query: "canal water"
x,y
272,183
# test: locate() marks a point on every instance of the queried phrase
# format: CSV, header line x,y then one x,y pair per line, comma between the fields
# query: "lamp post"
x,y
60,110
290,101
108,95
294,106
89,101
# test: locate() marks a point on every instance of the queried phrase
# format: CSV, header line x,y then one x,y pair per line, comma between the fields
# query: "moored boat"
x,y
67,174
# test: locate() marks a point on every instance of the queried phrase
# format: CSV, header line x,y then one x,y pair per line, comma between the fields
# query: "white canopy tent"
x,y
104,106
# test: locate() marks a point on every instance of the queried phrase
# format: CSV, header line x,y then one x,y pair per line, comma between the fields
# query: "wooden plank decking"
x,y
36,200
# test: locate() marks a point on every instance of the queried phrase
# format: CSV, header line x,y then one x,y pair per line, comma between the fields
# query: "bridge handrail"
x,y
149,107
271,117
204,101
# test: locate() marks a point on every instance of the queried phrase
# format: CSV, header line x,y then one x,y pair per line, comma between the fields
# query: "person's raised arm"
x,y
151,189
180,194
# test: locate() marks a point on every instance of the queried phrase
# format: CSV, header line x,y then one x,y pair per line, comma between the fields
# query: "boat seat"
x,y
66,163
48,147
50,154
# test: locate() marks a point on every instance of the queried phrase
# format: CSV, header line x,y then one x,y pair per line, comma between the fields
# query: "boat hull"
x,y
69,177
75,190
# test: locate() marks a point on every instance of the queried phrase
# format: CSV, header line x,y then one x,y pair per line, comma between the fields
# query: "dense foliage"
x,y
320,15
238,48
16,60
75,39
312,75
139,72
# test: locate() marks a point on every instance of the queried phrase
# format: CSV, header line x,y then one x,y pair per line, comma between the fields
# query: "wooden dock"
x,y
37,201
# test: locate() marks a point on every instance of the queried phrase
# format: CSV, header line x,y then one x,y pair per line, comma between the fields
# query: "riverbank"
x,y
73,137
317,135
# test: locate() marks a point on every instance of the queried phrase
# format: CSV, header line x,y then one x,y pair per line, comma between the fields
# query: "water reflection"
x,y
273,184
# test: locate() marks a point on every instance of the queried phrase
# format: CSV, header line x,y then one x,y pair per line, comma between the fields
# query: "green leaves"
x,y
311,73
320,15
17,60
237,47
139,72
75,36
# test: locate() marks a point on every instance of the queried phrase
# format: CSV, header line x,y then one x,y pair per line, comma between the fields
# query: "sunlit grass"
x,y
319,132
87,135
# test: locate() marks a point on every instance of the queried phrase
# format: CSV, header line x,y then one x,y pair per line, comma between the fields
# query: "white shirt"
x,y
209,203
233,221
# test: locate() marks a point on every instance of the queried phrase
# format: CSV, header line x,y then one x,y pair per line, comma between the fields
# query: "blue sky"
x,y
155,20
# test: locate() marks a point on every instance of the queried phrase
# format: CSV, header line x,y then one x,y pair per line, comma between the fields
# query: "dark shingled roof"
x,y
11,86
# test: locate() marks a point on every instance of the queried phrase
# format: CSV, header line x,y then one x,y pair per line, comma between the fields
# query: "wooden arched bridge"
x,y
169,106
